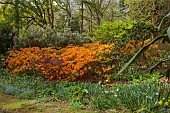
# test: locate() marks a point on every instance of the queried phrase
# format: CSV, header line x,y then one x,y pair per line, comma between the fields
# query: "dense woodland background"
x,y
128,24
83,52
101,20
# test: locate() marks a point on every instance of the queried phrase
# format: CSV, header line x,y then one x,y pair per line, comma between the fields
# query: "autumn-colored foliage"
x,y
70,63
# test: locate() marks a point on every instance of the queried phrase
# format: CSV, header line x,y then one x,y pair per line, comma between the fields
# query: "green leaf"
x,y
143,49
163,20
168,14
168,32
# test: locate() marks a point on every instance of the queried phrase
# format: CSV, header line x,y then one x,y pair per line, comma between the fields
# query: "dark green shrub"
x,y
141,31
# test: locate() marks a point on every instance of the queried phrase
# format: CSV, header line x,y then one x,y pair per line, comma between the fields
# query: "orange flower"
x,y
56,71
59,77
85,69
153,58
46,77
89,68
110,85
108,78
81,73
73,79
155,46
67,72
61,72
99,72
106,75
51,77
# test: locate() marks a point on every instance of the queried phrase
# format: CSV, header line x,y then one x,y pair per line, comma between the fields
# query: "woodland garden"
x,y
85,56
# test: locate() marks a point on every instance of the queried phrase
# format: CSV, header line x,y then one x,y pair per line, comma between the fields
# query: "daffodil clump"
x,y
164,103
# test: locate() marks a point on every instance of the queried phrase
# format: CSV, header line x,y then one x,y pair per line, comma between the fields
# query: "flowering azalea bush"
x,y
64,64
153,53
70,63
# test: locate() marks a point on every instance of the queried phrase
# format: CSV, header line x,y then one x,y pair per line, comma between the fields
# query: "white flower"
x,y
107,80
103,85
115,95
86,91
117,89
157,94
106,91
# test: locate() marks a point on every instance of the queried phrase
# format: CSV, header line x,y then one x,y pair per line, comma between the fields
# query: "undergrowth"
x,y
133,97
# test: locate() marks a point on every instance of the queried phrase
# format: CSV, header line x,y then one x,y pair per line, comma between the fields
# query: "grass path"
x,y
11,104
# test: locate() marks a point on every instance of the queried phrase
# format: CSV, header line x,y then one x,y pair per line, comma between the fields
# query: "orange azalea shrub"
x,y
73,62
33,60
148,58
78,60
64,64
131,48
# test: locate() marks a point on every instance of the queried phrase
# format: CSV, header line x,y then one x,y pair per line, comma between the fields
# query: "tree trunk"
x,y
17,17
82,18
16,32
154,17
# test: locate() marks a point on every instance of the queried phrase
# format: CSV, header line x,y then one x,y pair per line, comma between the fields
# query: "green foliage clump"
x,y
138,78
141,31
109,31
141,96
165,37
119,30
